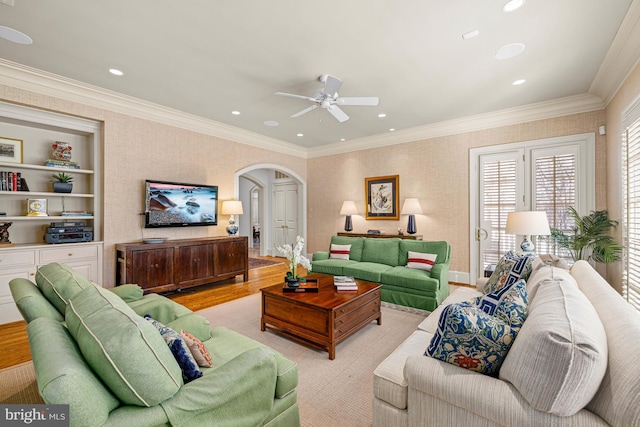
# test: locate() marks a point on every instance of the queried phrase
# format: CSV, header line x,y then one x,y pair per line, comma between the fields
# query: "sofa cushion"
x,y
510,303
331,266
381,251
409,278
440,248
389,382
59,282
197,349
123,349
510,268
463,293
369,271
339,251
472,339
421,261
179,349
540,273
560,357
357,243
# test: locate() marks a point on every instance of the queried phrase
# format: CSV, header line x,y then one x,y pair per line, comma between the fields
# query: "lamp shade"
x,y
411,207
528,223
348,208
232,207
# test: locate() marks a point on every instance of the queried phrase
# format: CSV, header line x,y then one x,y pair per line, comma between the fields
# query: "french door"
x,y
545,175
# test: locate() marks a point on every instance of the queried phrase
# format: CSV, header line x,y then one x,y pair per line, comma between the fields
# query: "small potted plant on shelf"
x,y
63,183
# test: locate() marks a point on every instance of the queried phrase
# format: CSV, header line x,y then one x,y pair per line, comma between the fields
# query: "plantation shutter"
x,y
631,205
555,186
498,191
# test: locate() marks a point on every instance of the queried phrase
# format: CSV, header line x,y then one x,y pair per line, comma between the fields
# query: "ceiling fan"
x,y
328,98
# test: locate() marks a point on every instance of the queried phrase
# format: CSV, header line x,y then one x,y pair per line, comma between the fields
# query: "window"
x,y
631,205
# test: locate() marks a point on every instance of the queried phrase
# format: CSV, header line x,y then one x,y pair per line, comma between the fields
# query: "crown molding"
x,y
622,57
526,113
38,81
41,82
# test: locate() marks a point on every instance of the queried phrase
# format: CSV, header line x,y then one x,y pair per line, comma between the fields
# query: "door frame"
x,y
586,141
267,232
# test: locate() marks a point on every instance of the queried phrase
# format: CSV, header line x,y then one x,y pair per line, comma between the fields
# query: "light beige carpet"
x,y
331,392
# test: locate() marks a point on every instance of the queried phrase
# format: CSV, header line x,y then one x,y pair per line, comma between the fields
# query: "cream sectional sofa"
x,y
573,363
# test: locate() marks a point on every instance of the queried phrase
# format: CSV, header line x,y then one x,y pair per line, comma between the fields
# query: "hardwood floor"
x,y
15,344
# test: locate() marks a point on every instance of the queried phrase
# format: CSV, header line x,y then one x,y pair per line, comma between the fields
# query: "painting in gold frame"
x,y
382,196
10,150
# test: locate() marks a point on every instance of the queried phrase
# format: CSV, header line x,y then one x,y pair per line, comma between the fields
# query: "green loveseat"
x,y
384,261
93,350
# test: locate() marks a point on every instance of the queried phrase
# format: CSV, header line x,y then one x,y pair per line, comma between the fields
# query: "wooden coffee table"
x,y
323,319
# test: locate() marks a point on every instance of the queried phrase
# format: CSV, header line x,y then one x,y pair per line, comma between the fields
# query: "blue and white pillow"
x,y
478,334
179,349
511,268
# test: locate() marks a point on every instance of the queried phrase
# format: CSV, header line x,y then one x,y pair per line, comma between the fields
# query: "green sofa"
x,y
93,350
384,261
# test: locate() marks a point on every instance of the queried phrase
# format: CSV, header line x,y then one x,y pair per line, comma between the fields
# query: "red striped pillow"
x,y
340,251
421,261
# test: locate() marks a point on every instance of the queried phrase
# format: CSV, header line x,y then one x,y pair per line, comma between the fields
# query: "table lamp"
x,y
411,207
527,224
348,209
232,208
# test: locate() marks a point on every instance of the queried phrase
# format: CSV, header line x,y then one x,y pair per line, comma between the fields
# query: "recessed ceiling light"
x,y
512,5
116,72
271,123
392,130
510,50
235,112
300,134
470,34
382,115
343,139
518,82
14,36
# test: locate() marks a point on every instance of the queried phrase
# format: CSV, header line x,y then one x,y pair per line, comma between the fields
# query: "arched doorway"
x,y
268,180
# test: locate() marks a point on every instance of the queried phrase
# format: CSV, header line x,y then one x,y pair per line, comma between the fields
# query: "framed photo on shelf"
x,y
10,150
382,196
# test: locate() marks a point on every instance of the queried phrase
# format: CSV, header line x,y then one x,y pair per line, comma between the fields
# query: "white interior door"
x,y
285,214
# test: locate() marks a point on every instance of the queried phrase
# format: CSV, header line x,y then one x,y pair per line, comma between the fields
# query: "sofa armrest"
x,y
451,395
317,256
30,301
240,392
440,272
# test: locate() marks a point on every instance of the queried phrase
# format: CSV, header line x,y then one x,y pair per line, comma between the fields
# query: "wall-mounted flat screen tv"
x,y
176,204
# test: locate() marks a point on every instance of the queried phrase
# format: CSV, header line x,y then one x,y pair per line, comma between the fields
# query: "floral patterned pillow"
x,y
511,268
478,334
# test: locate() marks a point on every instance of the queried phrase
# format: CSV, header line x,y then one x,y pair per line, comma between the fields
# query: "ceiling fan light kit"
x,y
329,99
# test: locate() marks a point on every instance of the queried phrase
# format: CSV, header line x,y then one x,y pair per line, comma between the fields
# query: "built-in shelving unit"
x,y
37,130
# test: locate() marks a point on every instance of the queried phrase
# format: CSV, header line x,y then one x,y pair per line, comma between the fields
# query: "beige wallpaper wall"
x,y
436,171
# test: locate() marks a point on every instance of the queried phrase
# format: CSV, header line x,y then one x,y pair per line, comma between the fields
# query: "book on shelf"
x,y
61,164
349,280
75,213
11,181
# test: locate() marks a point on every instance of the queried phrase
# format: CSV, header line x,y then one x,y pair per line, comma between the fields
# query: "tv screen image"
x,y
175,204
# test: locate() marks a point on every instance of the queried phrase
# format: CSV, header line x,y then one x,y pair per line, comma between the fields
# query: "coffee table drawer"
x,y
306,317
355,319
353,306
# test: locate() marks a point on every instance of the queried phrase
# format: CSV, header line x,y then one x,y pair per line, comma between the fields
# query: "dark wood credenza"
x,y
179,264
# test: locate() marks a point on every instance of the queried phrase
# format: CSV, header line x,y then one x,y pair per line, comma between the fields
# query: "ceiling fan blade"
x,y
331,85
306,110
336,112
358,100
291,95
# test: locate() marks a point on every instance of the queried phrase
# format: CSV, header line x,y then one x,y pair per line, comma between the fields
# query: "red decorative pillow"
x,y
421,261
197,348
340,251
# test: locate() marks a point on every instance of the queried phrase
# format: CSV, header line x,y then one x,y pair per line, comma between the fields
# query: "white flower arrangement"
x,y
294,255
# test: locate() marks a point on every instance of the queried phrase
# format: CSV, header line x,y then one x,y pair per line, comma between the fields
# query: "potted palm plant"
x,y
589,238
63,183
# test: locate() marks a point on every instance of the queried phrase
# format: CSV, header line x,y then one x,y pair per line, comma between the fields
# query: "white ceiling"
x,y
208,58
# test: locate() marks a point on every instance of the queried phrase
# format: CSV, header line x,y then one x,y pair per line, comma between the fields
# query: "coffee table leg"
x,y
262,326
332,351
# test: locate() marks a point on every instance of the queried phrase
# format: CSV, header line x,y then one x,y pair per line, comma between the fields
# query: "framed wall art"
x,y
10,150
382,196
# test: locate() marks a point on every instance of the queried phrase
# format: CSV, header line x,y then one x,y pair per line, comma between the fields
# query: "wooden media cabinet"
x,y
179,264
